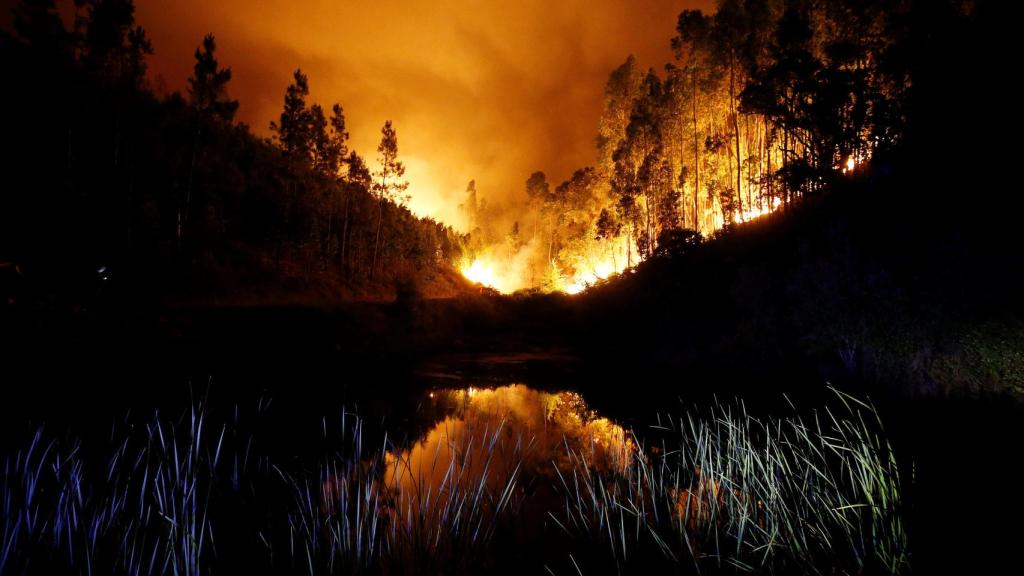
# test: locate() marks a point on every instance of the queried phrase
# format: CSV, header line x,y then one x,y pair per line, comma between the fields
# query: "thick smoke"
x,y
477,90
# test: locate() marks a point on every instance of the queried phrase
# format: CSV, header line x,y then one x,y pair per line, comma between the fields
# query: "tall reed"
x,y
818,494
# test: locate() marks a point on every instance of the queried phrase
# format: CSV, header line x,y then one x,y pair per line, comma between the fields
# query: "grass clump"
x,y
725,490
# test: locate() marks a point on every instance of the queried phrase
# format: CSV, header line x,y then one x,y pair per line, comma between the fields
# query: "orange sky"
x,y
484,89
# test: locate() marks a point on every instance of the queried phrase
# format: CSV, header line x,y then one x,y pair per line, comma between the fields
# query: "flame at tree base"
x,y
527,269
488,273
575,271
480,272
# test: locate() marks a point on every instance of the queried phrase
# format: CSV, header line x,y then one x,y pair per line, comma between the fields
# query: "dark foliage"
x,y
168,194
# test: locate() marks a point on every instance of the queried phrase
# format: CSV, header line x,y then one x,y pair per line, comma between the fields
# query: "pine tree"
x,y
358,173
38,24
390,185
323,159
357,181
338,139
207,90
293,128
207,87
115,48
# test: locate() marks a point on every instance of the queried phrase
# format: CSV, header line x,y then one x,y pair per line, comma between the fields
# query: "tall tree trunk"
x,y
380,218
344,236
326,258
750,166
785,163
767,172
647,219
376,241
551,240
696,158
734,112
629,246
682,154
652,236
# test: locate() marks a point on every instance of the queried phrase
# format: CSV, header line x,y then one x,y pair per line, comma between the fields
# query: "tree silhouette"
x,y
338,140
537,188
115,48
293,127
390,186
208,86
38,24
166,188
470,208
207,89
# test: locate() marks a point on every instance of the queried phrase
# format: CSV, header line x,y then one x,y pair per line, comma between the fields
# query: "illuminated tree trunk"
x,y
734,112
551,239
750,167
785,161
651,235
629,245
696,158
767,172
682,154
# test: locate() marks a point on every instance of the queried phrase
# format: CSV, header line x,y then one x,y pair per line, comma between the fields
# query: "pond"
x,y
486,463
509,467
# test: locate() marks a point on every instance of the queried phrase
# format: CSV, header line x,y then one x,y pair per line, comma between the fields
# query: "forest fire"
x,y
760,210
680,155
492,274
852,162
589,277
509,265
480,273
356,258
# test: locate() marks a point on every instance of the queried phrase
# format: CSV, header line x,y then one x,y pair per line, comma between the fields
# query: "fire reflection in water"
x,y
493,454
509,459
490,436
